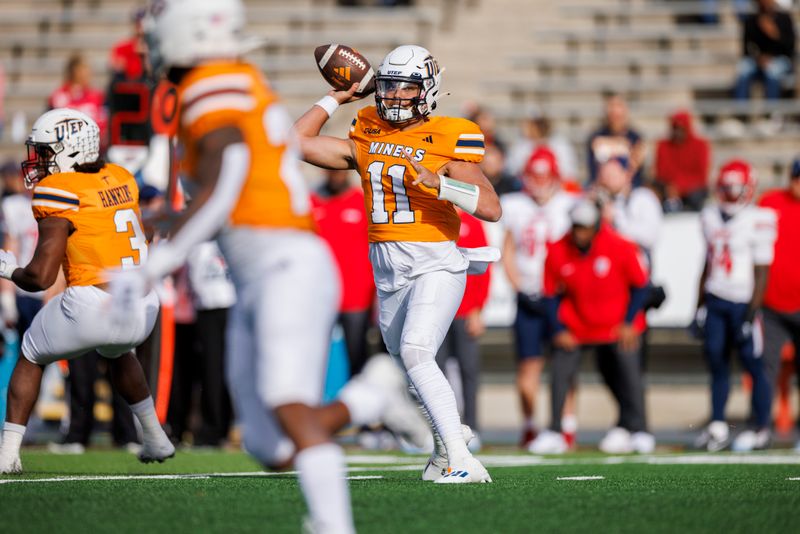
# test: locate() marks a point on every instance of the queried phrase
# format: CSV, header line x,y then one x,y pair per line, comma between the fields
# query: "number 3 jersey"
x,y
396,209
735,246
103,208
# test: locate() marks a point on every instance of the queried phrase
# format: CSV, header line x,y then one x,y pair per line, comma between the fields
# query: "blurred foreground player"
x,y
740,239
415,169
89,222
248,191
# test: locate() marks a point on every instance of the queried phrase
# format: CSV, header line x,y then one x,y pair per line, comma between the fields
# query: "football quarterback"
x,y
415,169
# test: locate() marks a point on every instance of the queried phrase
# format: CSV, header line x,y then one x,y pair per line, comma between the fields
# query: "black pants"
x,y
621,371
83,373
778,329
463,347
199,359
355,325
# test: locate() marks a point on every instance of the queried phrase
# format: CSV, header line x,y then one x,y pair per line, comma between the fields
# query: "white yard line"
x,y
378,463
588,477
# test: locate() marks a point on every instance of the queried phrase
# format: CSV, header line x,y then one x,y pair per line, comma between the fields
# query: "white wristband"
x,y
328,103
462,194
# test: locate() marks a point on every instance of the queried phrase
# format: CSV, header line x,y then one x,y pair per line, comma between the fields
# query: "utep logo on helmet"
x,y
67,127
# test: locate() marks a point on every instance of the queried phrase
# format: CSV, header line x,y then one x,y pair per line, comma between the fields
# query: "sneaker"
x,y
475,444
549,442
643,442
751,440
528,435
437,464
10,466
156,453
468,471
714,437
66,448
571,439
616,441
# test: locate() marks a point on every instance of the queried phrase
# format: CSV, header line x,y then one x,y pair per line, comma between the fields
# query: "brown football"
x,y
342,66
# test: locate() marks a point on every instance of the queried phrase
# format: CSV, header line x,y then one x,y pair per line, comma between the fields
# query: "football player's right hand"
x,y
343,97
565,340
698,326
8,264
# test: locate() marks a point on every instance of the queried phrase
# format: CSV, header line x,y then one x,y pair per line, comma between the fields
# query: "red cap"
x,y
542,162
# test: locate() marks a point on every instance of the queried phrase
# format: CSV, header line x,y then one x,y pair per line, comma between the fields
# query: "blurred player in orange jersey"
x,y
88,218
247,189
415,168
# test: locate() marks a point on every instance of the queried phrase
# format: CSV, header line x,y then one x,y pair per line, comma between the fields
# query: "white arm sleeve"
x,y
764,236
640,219
167,256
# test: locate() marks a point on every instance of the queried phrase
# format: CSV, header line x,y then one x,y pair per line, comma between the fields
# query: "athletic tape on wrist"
x,y
328,103
462,194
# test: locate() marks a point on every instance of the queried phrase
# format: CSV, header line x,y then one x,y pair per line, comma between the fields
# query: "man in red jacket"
x,y
339,214
781,310
682,163
594,286
461,341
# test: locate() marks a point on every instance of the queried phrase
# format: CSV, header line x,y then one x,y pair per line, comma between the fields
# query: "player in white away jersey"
x,y
533,218
740,238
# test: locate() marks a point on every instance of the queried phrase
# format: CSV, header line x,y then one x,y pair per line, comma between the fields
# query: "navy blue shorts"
x,y
530,333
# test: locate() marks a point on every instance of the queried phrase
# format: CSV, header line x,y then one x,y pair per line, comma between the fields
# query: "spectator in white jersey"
x,y
533,218
740,238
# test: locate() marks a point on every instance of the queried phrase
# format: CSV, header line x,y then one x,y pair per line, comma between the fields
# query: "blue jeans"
x,y
747,71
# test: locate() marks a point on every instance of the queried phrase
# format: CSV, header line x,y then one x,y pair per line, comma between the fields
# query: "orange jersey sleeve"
x,y
103,208
236,95
396,209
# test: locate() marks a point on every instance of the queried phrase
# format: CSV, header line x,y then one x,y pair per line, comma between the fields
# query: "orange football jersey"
x,y
103,207
396,209
230,94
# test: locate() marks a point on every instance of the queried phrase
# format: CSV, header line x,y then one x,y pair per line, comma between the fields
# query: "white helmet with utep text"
x,y
59,140
404,67
183,33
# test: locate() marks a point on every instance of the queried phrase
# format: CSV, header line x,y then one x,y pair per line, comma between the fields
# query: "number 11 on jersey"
x,y
380,215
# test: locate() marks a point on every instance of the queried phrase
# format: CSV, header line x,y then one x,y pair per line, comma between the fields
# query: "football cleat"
x,y
156,453
468,471
616,441
10,466
752,440
714,437
549,442
643,442
437,464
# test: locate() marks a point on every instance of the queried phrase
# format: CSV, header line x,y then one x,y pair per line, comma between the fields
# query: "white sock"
x,y
145,412
440,402
529,424
322,479
12,440
569,424
364,401
438,445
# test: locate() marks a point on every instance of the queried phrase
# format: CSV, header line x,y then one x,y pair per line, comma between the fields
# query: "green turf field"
x,y
226,492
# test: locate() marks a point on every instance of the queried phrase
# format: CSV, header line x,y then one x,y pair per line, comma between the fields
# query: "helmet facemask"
x,y
407,69
41,162
399,100
734,192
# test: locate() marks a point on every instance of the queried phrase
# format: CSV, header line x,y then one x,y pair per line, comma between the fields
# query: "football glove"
x,y
8,264
698,327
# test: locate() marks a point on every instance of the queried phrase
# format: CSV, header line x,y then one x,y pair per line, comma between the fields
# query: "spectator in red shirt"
x,y
594,286
682,163
78,93
127,56
781,309
339,213
461,341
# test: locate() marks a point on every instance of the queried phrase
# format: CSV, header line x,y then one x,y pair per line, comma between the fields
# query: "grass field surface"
x,y
109,491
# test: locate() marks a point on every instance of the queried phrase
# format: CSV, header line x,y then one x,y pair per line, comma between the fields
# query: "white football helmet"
x,y
59,140
404,67
183,33
736,186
